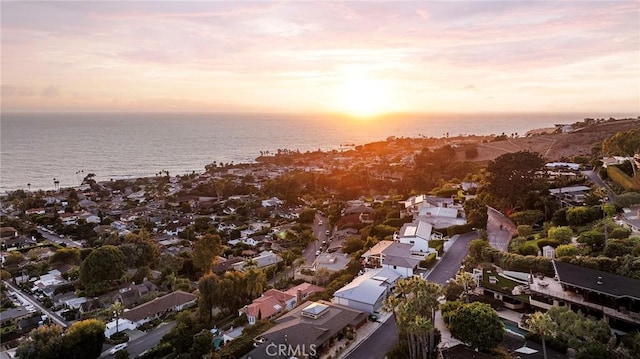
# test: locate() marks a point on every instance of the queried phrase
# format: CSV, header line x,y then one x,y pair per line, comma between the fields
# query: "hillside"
x,y
556,147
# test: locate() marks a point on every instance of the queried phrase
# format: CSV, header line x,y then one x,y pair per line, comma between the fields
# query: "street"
x,y
57,239
149,340
499,230
53,316
381,341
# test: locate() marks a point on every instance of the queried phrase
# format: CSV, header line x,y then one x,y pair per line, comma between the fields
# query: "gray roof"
x,y
367,288
597,281
399,254
296,330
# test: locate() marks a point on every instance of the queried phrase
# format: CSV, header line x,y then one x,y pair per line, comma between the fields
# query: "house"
x,y
269,304
373,257
368,291
418,235
599,293
303,290
308,330
31,211
401,258
223,264
172,302
264,259
441,217
17,242
118,325
571,195
133,293
272,202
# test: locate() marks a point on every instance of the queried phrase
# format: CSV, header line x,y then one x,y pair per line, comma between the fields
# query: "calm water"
x,y
36,148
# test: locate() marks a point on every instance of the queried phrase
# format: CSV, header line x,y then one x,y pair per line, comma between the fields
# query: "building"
x,y
399,257
418,235
307,331
268,305
368,291
172,302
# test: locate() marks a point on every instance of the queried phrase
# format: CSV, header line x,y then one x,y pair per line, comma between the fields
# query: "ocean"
x,y
38,147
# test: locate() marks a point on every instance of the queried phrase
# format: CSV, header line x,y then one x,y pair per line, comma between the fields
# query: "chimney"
x,y
298,296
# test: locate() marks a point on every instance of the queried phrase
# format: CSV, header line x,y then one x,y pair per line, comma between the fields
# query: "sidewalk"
x,y
342,349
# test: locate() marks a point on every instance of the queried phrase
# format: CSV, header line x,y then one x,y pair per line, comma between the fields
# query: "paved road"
x,y
29,298
381,341
147,341
499,230
378,344
450,262
593,177
70,243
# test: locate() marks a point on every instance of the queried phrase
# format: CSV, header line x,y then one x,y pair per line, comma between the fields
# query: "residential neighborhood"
x,y
292,251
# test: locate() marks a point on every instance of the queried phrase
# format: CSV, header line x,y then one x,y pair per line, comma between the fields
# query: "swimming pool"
x,y
512,327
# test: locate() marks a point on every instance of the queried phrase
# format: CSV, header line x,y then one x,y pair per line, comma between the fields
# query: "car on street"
x,y
117,348
318,252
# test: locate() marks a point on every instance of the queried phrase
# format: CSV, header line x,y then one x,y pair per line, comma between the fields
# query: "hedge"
x,y
464,228
428,262
438,245
621,178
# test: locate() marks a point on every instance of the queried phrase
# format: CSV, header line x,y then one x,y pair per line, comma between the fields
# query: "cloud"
x,y
50,92
16,91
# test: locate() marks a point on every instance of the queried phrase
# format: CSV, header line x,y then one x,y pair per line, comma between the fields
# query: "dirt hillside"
x,y
557,147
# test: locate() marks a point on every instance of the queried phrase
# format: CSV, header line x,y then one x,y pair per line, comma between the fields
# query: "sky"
x,y
353,57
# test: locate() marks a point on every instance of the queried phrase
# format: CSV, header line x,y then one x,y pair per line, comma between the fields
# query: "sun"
x,y
363,97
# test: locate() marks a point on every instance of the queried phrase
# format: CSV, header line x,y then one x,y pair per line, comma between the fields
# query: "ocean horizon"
x,y
38,147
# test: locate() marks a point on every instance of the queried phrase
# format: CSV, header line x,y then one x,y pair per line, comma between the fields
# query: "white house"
x,y
367,292
400,258
417,234
123,324
272,202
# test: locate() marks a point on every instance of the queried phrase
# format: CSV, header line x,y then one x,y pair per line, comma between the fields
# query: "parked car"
x,y
117,348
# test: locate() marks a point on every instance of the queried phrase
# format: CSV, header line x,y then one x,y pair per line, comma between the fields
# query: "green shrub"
x,y
464,228
529,249
429,261
621,178
438,245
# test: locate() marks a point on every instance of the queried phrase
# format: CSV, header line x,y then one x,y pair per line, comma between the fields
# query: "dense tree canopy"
x,y
512,177
622,143
205,250
478,325
103,265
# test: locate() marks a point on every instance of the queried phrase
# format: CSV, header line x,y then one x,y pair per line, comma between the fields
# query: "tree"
x,y
140,250
567,250
623,144
117,309
66,255
476,212
202,344
255,280
562,234
207,287
84,339
414,304
44,342
468,283
478,325
103,265
524,230
205,250
542,325
512,176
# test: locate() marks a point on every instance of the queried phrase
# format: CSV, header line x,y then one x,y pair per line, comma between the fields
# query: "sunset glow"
x,y
357,58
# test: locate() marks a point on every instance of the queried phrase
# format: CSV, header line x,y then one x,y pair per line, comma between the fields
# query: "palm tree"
x,y
467,281
117,309
542,325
